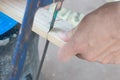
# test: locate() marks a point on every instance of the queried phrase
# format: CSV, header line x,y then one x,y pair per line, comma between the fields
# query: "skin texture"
x,y
96,38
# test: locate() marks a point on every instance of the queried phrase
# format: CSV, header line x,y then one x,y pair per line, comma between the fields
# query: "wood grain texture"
x,y
16,8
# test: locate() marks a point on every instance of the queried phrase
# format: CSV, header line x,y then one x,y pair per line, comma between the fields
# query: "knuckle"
x,y
89,58
117,62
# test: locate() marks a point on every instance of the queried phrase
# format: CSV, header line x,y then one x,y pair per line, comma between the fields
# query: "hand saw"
x,y
57,9
21,47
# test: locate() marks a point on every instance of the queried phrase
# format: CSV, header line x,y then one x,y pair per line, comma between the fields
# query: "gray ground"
x,y
6,54
77,69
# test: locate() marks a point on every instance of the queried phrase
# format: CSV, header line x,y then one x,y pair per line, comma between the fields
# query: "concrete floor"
x,y
76,69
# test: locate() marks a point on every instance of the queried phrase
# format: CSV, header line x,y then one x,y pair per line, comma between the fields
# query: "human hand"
x,y
97,37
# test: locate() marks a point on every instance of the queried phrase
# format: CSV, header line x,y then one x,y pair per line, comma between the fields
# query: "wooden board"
x,y
16,8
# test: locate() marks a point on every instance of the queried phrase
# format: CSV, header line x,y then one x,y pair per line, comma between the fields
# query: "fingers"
x,y
110,54
106,51
72,47
117,59
66,52
66,36
112,58
63,36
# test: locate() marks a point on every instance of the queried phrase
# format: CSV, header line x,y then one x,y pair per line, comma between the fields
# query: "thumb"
x,y
66,36
66,52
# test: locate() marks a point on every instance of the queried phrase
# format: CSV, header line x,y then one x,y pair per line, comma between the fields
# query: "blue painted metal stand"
x,y
24,36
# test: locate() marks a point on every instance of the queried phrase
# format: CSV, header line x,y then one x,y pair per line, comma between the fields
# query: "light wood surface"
x,y
16,8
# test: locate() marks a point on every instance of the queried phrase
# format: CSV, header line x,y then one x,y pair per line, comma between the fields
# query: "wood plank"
x,y
15,9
